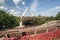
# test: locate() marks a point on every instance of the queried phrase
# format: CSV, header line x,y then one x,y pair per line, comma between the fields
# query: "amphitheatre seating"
x,y
39,31
44,36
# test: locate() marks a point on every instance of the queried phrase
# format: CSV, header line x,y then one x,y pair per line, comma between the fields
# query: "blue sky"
x,y
38,7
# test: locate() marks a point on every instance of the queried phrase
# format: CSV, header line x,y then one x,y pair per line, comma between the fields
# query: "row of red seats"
x,y
43,36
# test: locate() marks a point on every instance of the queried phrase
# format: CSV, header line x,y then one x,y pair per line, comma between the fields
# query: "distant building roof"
x,y
30,18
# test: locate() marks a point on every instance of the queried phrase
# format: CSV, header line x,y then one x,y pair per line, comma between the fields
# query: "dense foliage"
x,y
58,16
7,20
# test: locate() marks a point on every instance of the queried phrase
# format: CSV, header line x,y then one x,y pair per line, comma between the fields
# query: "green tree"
x,y
58,16
7,20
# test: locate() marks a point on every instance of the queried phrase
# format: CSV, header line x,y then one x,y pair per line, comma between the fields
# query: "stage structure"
x,y
23,15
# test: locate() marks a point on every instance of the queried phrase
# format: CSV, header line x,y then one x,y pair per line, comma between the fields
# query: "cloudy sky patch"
x,y
39,7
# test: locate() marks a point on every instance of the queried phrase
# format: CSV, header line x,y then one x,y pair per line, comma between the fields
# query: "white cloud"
x,y
16,1
51,11
34,5
23,3
17,6
3,7
13,12
1,1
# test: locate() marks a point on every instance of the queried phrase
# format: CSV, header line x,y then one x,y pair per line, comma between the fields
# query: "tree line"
x,y
8,20
45,19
